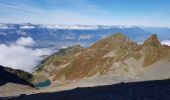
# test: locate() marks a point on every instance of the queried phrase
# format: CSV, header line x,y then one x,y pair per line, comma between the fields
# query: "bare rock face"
x,y
152,41
153,51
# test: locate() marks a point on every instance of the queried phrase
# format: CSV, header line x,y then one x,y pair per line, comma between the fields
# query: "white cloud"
x,y
28,41
166,42
20,57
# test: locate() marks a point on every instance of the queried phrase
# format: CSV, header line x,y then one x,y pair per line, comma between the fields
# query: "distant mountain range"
x,y
61,36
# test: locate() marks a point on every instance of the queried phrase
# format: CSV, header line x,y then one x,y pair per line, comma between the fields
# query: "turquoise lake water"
x,y
43,84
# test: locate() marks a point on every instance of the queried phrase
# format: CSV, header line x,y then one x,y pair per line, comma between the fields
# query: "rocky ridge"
x,y
114,56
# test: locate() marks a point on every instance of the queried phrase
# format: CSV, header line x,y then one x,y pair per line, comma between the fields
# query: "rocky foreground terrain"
x,y
112,60
149,90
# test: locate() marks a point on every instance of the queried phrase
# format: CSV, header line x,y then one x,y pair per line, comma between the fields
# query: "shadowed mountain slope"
x,y
14,76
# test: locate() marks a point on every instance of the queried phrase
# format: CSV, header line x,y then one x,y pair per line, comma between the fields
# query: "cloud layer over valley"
x,y
166,42
28,41
20,56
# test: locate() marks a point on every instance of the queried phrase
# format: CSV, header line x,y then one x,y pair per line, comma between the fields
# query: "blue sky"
x,y
88,12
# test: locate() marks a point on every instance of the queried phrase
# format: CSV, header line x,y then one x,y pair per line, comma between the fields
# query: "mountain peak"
x,y
153,41
120,38
112,41
118,35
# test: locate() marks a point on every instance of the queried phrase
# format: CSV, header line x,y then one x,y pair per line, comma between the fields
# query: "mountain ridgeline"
x,y
115,58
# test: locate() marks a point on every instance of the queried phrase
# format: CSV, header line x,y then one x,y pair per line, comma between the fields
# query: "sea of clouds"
x,y
166,42
20,55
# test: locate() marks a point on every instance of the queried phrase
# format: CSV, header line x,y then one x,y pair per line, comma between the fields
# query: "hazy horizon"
x,y
22,23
